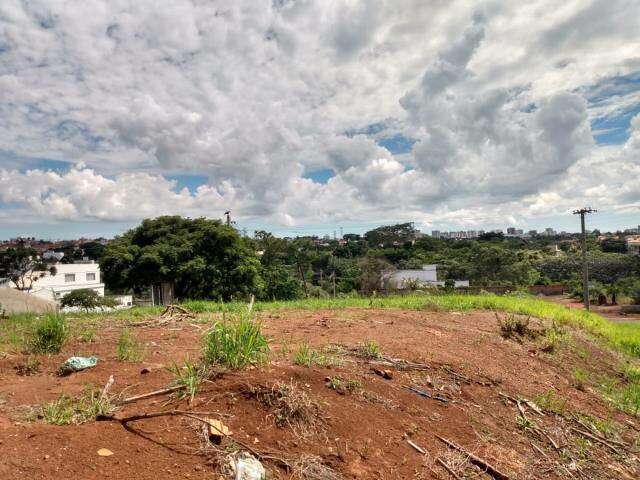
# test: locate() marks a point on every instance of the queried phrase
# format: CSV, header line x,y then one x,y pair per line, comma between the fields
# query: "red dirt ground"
x,y
361,435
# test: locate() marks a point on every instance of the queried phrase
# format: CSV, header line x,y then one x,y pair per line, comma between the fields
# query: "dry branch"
x,y
490,469
448,468
152,394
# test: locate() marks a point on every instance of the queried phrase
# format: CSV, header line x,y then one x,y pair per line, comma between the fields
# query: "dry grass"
x,y
290,406
310,467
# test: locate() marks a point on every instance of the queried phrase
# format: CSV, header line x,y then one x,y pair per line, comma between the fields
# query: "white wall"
x,y
68,277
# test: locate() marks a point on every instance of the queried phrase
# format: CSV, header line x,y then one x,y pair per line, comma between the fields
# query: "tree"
x,y
372,270
614,245
85,298
389,235
20,265
202,258
279,284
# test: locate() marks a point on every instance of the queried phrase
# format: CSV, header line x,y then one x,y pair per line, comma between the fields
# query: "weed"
x,y
235,344
309,357
305,355
50,334
30,367
369,349
66,410
128,349
514,326
189,376
87,335
551,402
553,337
524,423
343,386
624,395
58,412
580,378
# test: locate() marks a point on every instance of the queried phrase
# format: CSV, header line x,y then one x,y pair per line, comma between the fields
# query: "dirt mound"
x,y
13,301
383,395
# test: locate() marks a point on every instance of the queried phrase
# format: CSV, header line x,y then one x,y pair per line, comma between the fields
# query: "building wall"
x,y
68,277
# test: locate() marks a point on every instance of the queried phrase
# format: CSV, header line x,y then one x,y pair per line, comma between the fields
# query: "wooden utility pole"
x,y
585,266
333,278
228,214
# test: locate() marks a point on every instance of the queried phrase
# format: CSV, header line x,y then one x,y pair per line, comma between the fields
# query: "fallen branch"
x,y
417,447
490,469
597,439
595,431
152,394
198,416
448,468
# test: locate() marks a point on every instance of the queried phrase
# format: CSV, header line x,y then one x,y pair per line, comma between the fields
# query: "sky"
x,y
305,117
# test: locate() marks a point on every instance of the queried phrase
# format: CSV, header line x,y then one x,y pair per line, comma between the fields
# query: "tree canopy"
x,y
202,258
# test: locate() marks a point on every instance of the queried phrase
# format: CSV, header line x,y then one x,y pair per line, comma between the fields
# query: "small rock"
x,y
105,452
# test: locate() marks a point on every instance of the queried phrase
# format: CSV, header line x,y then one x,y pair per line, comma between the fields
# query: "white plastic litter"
x,y
246,467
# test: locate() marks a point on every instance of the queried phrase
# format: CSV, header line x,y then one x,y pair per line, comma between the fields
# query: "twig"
x,y
106,388
417,447
597,439
539,450
490,469
547,436
152,394
198,416
595,431
448,468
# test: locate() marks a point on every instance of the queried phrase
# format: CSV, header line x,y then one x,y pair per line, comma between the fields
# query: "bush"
x,y
87,299
235,344
49,334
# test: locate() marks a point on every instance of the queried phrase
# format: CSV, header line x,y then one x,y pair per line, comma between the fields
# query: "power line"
x,y
585,266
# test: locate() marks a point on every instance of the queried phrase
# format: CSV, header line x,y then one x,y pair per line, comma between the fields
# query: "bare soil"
x,y
609,311
361,434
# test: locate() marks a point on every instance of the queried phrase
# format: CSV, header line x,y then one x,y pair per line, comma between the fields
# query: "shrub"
x,y
87,299
235,344
50,334
514,326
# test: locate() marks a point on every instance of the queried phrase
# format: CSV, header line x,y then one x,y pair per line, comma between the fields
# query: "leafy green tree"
x,y
22,267
86,299
390,235
202,258
614,245
279,283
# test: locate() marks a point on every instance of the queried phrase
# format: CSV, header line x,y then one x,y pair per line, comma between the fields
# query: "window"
x,y
69,277
91,277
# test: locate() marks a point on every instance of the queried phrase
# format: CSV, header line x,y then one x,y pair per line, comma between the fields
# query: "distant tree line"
x,y
206,259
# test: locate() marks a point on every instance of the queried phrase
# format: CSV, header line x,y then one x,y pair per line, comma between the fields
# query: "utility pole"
x,y
585,267
228,214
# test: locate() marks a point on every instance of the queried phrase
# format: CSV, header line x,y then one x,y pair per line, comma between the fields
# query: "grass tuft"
x,y
50,334
66,410
369,349
236,343
188,376
128,349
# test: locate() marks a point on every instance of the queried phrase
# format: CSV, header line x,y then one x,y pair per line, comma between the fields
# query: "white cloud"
x,y
253,94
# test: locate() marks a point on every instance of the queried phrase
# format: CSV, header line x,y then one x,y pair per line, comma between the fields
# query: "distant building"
x,y
633,244
427,276
51,255
68,277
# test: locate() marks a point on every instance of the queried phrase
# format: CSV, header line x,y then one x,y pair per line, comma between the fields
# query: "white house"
x,y
68,277
426,276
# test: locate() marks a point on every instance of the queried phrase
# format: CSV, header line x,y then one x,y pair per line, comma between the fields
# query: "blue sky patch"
x,y
398,144
321,176
191,182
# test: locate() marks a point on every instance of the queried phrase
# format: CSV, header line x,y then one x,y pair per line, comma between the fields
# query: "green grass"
x,y
623,336
128,348
236,343
50,333
189,377
308,357
66,410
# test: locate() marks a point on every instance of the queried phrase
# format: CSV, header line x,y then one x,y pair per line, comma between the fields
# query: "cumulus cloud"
x,y
253,95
